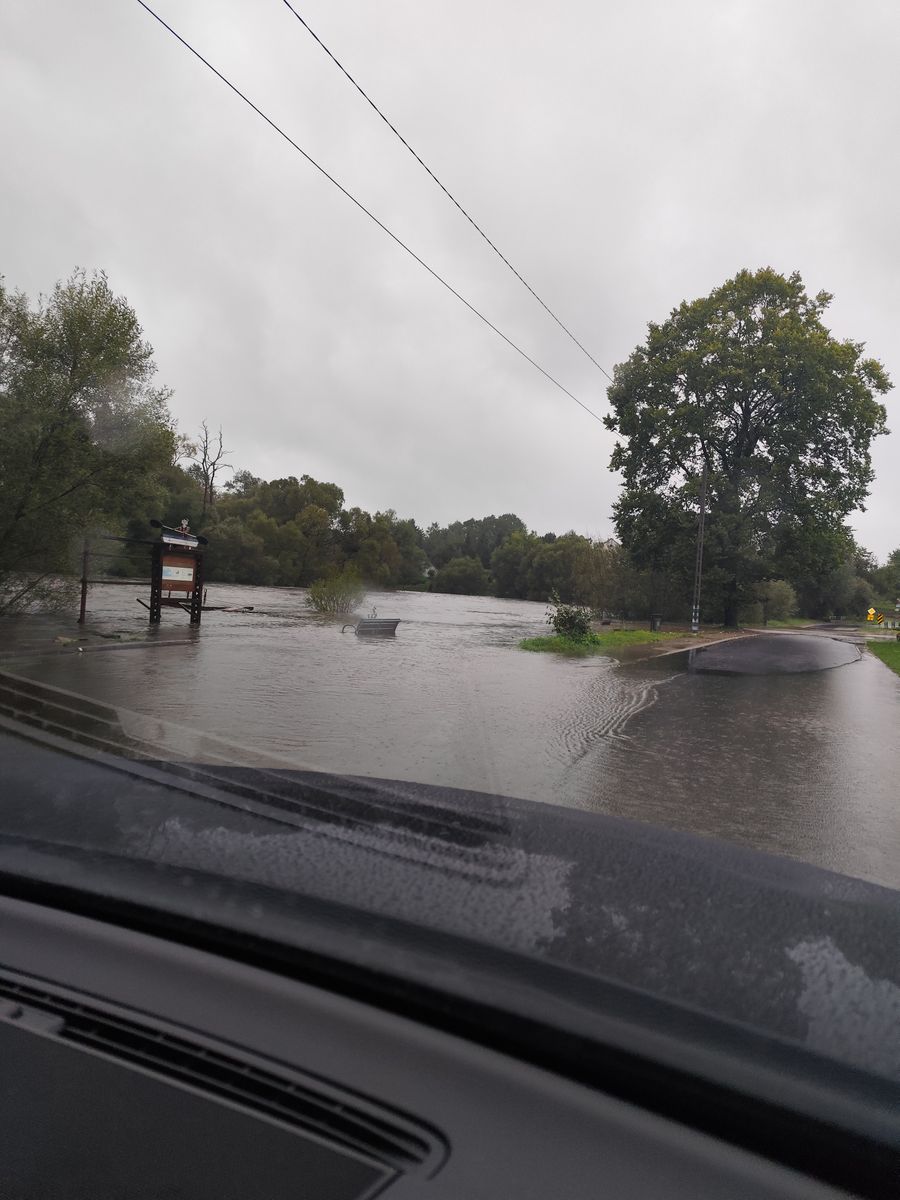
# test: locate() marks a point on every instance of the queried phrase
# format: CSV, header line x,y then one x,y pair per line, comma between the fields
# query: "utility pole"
x,y
698,563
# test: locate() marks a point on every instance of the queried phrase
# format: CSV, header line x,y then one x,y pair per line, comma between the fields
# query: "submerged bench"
x,y
374,627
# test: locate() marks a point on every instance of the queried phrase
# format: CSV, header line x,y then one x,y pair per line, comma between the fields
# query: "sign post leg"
x,y
197,594
85,554
156,585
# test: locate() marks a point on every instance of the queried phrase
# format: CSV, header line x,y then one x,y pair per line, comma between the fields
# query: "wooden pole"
x,y
85,555
156,584
197,594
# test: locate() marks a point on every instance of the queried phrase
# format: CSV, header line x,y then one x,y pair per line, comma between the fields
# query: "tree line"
x,y
291,532
741,401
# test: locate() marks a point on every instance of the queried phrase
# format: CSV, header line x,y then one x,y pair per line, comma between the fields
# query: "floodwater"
x,y
803,764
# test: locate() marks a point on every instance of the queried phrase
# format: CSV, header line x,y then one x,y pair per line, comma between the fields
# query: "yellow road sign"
x,y
871,612
880,618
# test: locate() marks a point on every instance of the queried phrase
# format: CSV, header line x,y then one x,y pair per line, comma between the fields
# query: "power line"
x,y
362,207
446,190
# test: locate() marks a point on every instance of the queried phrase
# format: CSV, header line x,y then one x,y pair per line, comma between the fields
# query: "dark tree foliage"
x,y
748,383
84,434
462,576
886,580
475,538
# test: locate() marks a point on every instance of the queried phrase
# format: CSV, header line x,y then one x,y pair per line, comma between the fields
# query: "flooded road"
x,y
803,764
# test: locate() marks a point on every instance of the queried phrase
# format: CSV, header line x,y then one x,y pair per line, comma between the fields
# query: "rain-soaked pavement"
x,y
785,742
774,654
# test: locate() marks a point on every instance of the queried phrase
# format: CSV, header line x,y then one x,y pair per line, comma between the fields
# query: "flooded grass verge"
x,y
595,643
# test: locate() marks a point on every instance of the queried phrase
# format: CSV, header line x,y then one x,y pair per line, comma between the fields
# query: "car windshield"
x,y
460,434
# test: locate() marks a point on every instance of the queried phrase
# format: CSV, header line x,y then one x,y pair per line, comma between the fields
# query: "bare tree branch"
x,y
208,455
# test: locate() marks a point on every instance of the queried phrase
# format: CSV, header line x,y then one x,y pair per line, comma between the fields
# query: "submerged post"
x,y
197,593
156,573
85,558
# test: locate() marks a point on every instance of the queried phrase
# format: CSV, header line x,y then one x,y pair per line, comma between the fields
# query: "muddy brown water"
x,y
804,763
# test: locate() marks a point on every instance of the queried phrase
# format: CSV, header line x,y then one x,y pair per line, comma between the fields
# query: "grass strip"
x,y
595,643
888,652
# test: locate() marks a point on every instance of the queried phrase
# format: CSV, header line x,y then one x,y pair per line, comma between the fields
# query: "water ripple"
x,y
604,710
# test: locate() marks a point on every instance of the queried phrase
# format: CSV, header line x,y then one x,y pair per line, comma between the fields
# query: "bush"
x,y
782,600
775,600
341,593
568,620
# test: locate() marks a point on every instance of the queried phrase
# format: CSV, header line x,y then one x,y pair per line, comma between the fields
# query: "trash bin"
x,y
656,622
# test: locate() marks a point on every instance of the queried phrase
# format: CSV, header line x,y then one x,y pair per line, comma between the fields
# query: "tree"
x,y
886,580
84,433
485,535
208,459
318,555
748,383
779,600
239,554
608,582
442,544
474,538
776,600
327,496
179,496
554,567
463,577
285,499
242,485
510,564
413,561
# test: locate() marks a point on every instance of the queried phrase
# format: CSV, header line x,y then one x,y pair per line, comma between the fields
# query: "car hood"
x,y
803,954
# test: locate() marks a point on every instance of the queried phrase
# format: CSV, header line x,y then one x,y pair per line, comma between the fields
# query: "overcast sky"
x,y
623,156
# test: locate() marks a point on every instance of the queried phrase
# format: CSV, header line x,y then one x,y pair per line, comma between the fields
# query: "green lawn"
x,y
888,652
595,643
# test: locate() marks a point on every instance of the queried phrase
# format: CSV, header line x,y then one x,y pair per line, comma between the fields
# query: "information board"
x,y
178,573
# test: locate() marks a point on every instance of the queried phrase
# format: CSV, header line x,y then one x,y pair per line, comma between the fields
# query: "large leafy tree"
x,y
554,568
283,499
84,434
748,383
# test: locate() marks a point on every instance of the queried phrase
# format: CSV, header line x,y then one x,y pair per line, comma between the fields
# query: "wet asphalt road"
x,y
774,654
786,742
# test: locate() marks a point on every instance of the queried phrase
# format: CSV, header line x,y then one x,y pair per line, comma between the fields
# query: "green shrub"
x,y
568,620
337,594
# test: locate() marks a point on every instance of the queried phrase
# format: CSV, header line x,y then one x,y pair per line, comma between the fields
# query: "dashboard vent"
x,y
303,1101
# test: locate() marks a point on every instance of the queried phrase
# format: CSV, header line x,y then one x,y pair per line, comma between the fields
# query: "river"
x,y
806,765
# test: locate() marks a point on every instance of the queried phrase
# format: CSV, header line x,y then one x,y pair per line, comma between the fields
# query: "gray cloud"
x,y
624,157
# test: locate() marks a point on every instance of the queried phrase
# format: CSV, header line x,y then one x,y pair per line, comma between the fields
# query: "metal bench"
x,y
374,627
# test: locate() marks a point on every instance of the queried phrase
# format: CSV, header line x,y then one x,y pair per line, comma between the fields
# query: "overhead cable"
x,y
445,189
362,208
